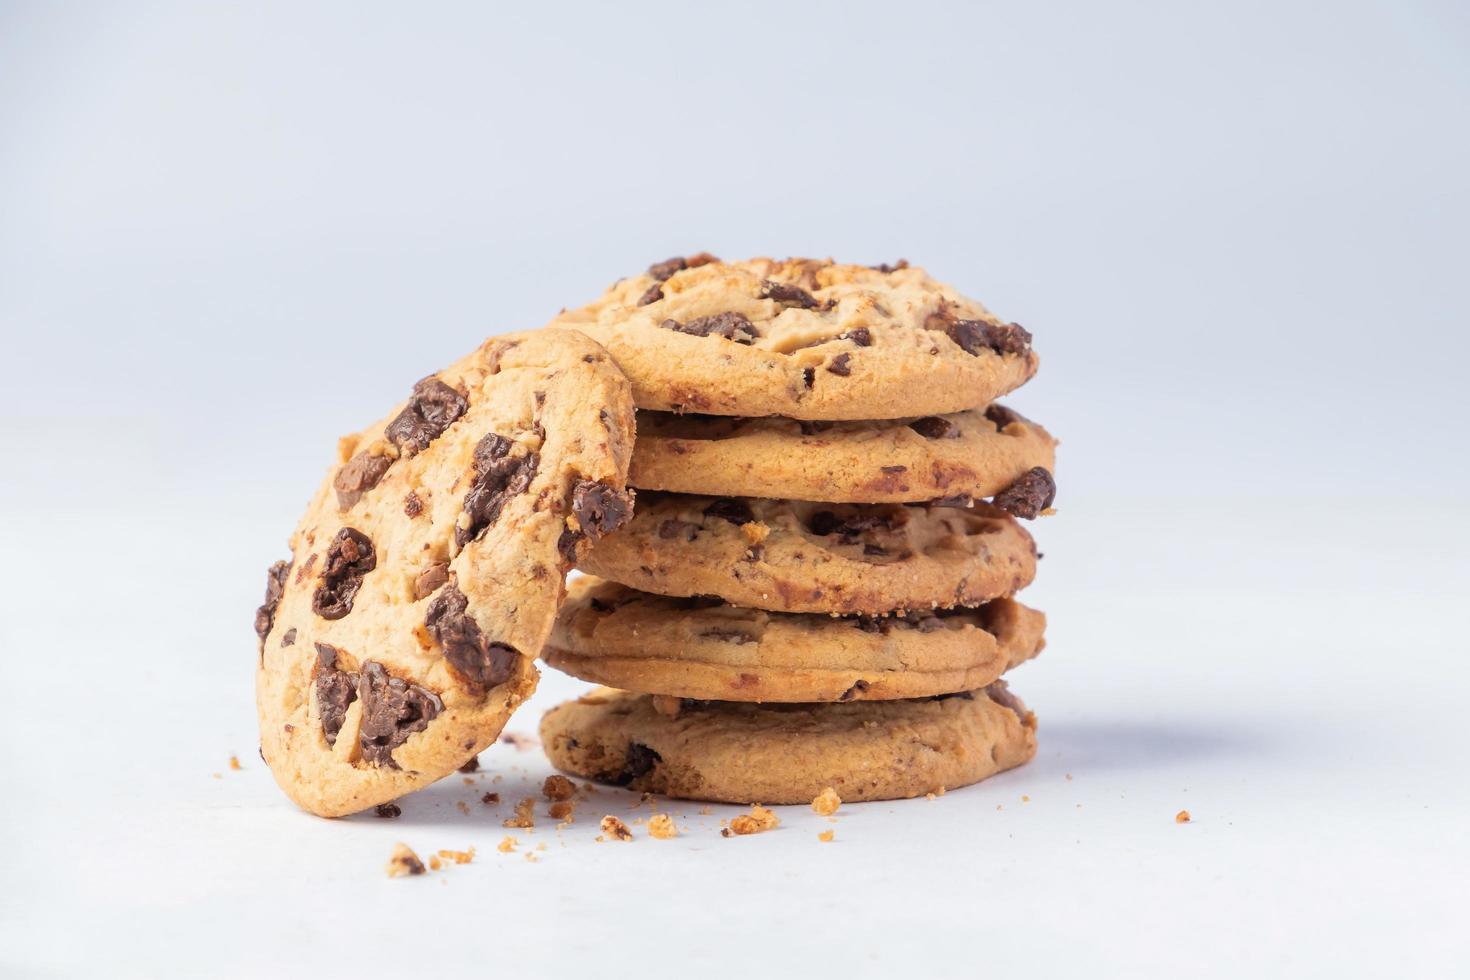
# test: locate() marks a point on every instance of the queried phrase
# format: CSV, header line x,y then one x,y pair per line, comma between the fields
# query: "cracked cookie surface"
x,y
800,556
694,648
789,753
805,339
977,454
428,568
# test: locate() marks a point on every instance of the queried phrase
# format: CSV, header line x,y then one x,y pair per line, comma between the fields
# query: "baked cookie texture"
x,y
429,566
789,753
805,339
695,648
976,454
800,556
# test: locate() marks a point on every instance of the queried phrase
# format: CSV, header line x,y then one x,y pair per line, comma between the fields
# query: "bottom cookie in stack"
x,y
749,706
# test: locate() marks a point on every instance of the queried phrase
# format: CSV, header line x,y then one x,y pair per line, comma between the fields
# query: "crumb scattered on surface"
x,y
525,815
404,862
468,781
759,820
458,857
1025,799
235,763
558,787
615,828
434,862
1069,777
388,811
827,802
490,799
472,766
826,836
531,856
561,810
463,807
705,811
661,827
216,775
521,741
1182,817
507,845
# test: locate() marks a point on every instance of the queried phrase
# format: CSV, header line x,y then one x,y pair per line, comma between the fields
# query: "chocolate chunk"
x,y
731,326
472,655
388,811
671,529
840,365
350,557
788,295
360,474
977,335
1032,493
335,690
472,765
290,638
498,477
727,635
599,508
825,522
663,270
808,376
412,505
873,624
885,268
428,580
430,410
934,427
1003,416
275,584
730,509
639,761
566,545
861,336
653,294
392,710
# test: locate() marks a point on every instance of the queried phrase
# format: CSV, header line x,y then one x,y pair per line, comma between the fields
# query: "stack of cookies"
x,y
815,589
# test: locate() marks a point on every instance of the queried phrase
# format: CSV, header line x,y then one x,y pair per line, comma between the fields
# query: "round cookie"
x,y
427,570
691,648
798,556
974,454
803,338
735,752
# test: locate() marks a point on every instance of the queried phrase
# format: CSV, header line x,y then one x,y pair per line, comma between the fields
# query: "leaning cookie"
x,y
973,454
428,568
789,753
696,648
798,556
805,339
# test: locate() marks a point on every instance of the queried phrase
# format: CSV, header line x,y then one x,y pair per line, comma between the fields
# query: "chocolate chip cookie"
x,y
799,556
697,648
805,339
789,753
973,454
424,578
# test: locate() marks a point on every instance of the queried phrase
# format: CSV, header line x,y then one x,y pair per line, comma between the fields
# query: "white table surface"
x,y
1314,732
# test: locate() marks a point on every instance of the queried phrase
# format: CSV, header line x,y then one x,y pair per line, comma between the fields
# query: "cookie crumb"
x,y
388,811
531,856
522,742
561,810
826,802
1069,777
615,828
458,857
404,862
471,766
826,836
1182,817
525,815
1025,799
235,763
661,827
558,788
759,820
507,845
463,807
490,799
705,811
434,863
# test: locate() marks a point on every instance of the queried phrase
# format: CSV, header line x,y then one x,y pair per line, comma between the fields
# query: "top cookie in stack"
x,y
829,491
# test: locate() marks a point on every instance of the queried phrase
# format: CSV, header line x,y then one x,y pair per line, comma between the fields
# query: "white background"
x,y
228,235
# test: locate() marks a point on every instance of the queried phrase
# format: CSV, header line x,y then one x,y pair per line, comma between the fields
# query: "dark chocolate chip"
x,y
653,294
808,376
886,268
861,336
1003,416
788,294
290,638
727,635
392,710
388,811
335,690
498,477
566,545
412,505
934,427
1032,493
427,581
663,270
730,509
470,653
731,326
825,522
977,335
472,765
431,409
639,761
275,584
359,475
840,365
599,508
350,557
